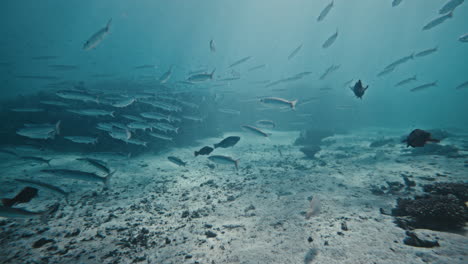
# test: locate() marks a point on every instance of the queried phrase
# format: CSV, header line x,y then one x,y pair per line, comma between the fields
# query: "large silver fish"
x,y
92,112
279,102
220,159
201,77
82,139
40,131
97,37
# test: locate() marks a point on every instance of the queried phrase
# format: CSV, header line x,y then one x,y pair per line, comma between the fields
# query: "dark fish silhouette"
x,y
177,161
418,138
26,195
359,89
227,142
204,151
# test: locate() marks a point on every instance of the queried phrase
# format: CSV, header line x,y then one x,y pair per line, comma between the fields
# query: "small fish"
x,y
166,127
37,159
385,72
426,52
45,186
424,86
140,126
257,67
120,134
134,118
204,151
227,142
92,112
400,61
26,195
40,131
9,212
229,111
54,103
156,116
240,61
123,103
437,21
450,6
201,77
74,95
193,118
279,102
463,38
325,12
255,131
359,89
160,136
176,161
330,40
27,110
212,46
137,142
80,175
224,160
82,140
462,85
294,52
99,164
166,76
406,81
145,66
396,2
329,70
265,123
97,37
229,79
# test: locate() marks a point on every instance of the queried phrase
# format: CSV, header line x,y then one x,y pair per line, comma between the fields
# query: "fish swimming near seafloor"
x,y
40,131
36,159
437,21
24,196
419,138
44,185
255,131
81,175
220,159
18,213
166,76
325,12
227,142
204,151
177,161
99,164
92,112
97,37
82,139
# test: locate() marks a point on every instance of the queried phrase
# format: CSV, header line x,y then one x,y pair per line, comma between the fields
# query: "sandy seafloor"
x,y
157,212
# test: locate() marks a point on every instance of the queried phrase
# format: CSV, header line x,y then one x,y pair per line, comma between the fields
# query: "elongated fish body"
x,y
255,131
220,159
229,111
80,175
325,12
240,61
462,85
437,21
166,127
424,86
279,102
201,77
137,142
227,142
212,46
176,161
426,52
166,76
139,126
399,61
294,52
54,103
124,103
385,72
463,38
97,37
92,112
134,118
44,186
79,96
27,110
257,67
99,164
330,40
10,212
156,116
265,123
406,81
328,71
40,131
160,136
396,2
82,140
120,134
450,6
37,159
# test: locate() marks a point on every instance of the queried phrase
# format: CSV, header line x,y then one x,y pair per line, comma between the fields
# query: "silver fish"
x,y
134,118
450,6
240,61
385,72
97,37
10,212
229,111
265,123
37,159
325,12
220,159
92,112
394,64
160,136
82,140
27,110
330,40
74,95
329,70
45,186
255,131
257,67
80,175
166,76
156,116
123,103
294,52
54,103
279,102
139,126
201,77
424,86
119,134
463,38
40,131
176,161
426,52
137,142
437,21
99,164
405,81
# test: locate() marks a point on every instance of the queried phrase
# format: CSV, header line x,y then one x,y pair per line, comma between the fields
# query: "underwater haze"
x,y
249,131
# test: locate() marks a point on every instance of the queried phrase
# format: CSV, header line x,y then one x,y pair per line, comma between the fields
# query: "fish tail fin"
x,y
108,24
107,179
45,215
8,202
212,73
57,127
293,104
128,133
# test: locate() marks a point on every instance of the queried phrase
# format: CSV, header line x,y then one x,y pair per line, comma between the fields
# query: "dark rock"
x,y
185,214
73,233
409,183
210,234
208,226
344,226
459,190
413,240
395,187
167,241
188,256
251,207
325,243
39,243
310,239
310,151
231,198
